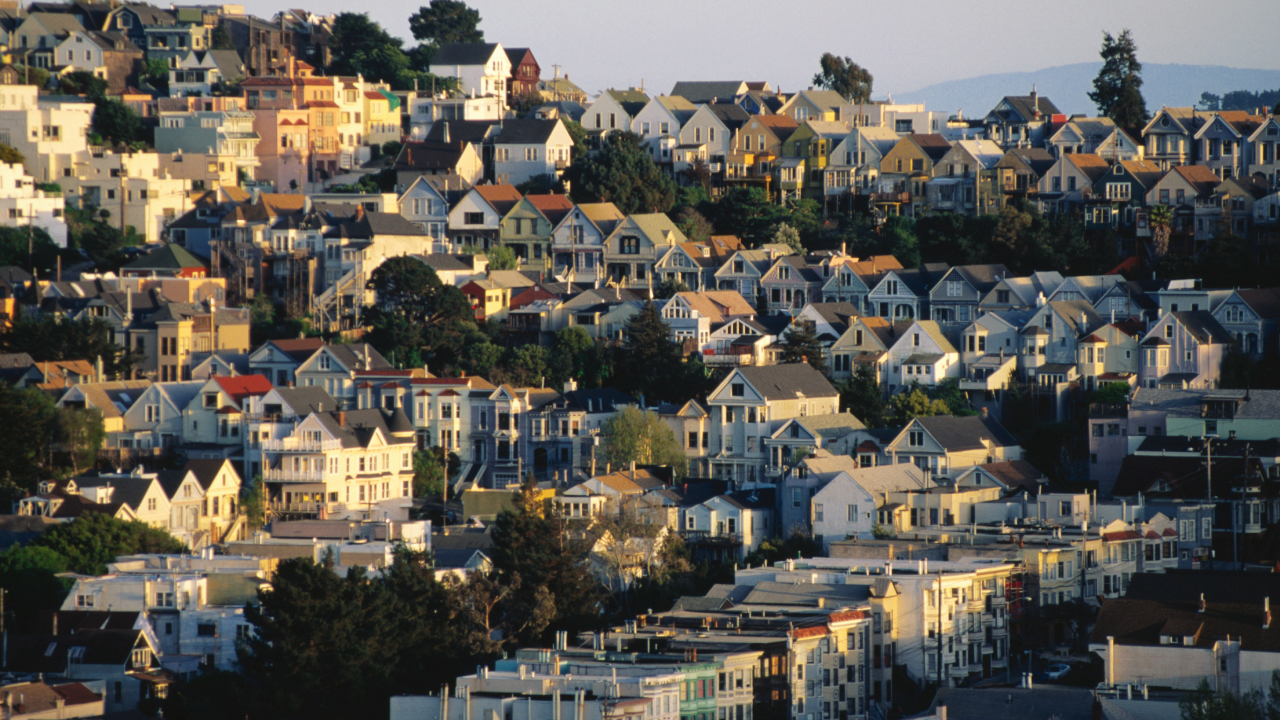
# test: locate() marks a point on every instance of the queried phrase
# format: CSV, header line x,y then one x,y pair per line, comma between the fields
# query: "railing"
x,y
300,445
728,360
270,474
708,537
898,197
299,507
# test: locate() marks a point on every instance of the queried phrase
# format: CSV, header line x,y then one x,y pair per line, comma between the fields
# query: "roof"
x,y
429,155
166,257
552,207
500,197
464,53
243,386
966,433
354,428
298,348
707,91
1092,166
787,382
931,144
718,305
1200,177
1028,106
525,131
1145,621
1203,327
632,101
1012,703
890,478
1179,476
206,469
1263,301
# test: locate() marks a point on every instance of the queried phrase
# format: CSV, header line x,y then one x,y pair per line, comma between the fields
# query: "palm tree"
x,y
1161,219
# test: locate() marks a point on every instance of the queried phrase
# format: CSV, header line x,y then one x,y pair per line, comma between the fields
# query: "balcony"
x,y
270,474
733,357
898,198
300,445
707,537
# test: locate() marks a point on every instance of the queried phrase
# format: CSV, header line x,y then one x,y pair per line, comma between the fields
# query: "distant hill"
x,y
1068,86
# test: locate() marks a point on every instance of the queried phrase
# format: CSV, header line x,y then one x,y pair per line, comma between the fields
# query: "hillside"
x,y
1068,87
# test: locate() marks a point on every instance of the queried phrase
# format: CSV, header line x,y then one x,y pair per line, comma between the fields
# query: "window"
x,y
852,513
915,438
817,512
737,389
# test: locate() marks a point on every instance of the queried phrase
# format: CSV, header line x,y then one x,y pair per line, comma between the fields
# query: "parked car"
x,y
1057,671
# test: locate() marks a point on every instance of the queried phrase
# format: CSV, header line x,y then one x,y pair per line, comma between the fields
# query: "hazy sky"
x,y
905,45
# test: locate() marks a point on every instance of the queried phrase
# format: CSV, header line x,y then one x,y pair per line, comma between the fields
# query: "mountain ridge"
x,y
1164,84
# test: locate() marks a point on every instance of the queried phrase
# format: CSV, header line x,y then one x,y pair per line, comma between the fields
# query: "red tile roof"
x,y
242,386
1123,535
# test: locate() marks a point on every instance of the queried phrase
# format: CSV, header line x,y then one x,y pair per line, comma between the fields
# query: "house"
x,y
203,499
22,204
920,354
1018,173
942,445
714,125
865,342
123,662
424,205
823,105
789,284
729,526
896,294
855,160
1184,350
1237,197
636,245
525,72
1051,337
229,132
743,270
1222,142
1264,151
1111,354
602,312
480,68
476,220
756,146
1124,188
168,260
613,110
1014,293
1064,188
1094,135
1170,136
433,157
345,464
217,414
530,148
954,299
691,264
1251,316
844,509
336,368
745,341
814,140
200,72
662,117
692,315
1020,120
278,360
753,401
709,92
1176,628
830,320
1190,191
528,226
910,165
561,90
966,181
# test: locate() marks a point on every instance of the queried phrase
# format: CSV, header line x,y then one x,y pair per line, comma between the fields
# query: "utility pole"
x,y
939,583
1208,468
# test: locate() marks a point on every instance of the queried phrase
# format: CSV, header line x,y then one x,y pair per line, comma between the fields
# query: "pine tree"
x,y
802,345
1117,90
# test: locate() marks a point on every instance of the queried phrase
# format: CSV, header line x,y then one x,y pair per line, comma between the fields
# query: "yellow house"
x,y
489,300
381,117
814,141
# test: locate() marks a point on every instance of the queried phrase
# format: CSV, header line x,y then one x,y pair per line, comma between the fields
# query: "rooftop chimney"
x,y
1201,603
342,418
1266,618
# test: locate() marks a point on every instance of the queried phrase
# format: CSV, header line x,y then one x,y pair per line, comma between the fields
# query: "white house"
x,y
22,205
480,68
526,149
842,510
921,354
424,206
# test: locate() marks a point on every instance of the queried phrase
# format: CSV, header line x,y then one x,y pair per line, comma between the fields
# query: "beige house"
x,y
944,444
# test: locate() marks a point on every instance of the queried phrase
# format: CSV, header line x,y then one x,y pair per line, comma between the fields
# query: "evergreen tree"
x,y
651,360
361,46
802,345
861,396
1117,90
441,22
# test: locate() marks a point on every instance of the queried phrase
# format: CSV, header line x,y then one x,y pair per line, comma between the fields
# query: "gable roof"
x,y
464,53
1200,177
631,101
1028,107
553,207
1263,301
166,257
709,91
787,382
298,348
242,386
527,131
966,433
1091,165
500,197
1203,327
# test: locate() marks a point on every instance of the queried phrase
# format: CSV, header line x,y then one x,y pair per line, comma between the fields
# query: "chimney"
x,y
342,418
446,131
941,712
1266,618
1201,603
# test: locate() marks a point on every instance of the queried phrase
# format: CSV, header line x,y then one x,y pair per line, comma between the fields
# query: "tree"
x,y
82,435
789,236
502,257
51,338
527,365
29,575
429,471
1205,704
1114,393
156,72
95,539
1117,90
82,82
914,402
772,550
802,345
220,39
11,156
1160,218
669,287
622,173
578,135
747,213
361,46
861,396
416,315
844,76
441,22
693,224
28,247
114,121
642,437
651,363
30,420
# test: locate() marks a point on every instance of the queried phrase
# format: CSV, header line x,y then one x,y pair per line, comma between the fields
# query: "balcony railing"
x,y
270,474
707,537
300,445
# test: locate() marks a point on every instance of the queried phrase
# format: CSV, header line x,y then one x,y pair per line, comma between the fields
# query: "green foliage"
x,y
525,366
253,503
1205,704
575,355
29,574
392,148
669,287
220,39
844,76
429,467
114,121
622,173
881,532
747,213
32,75
49,338
156,72
652,365
545,184
11,156
861,396
94,540
1115,393
361,46
641,436
30,420
579,136
775,549
16,242
1246,100
789,236
82,82
913,402
373,636
502,257
801,344
904,244
949,392
441,22
692,223
82,435
417,317
1117,90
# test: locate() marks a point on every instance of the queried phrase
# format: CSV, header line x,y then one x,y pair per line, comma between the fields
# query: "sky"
x,y
604,44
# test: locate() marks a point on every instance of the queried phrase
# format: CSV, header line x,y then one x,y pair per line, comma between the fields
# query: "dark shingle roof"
x,y
966,433
464,54
1204,327
524,132
706,91
787,382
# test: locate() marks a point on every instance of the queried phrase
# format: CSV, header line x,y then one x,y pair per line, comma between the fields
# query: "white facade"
x,y
50,134
21,204
841,510
489,78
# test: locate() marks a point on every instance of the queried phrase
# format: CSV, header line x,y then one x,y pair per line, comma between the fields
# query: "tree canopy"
x,y
801,344
441,22
640,436
361,46
416,316
844,76
94,540
651,363
1117,90
623,173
